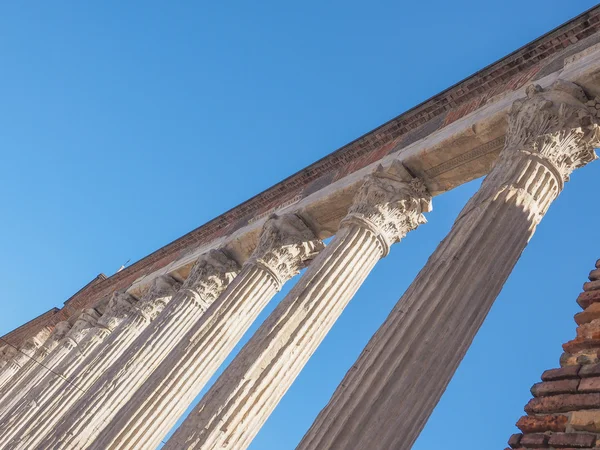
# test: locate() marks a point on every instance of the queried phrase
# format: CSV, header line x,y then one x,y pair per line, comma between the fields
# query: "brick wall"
x,y
564,412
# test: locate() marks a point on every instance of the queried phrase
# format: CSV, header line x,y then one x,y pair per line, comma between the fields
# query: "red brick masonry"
x,y
564,412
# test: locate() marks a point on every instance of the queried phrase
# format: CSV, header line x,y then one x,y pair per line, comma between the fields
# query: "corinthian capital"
x,y
391,202
210,275
86,320
119,306
159,294
60,331
285,246
556,125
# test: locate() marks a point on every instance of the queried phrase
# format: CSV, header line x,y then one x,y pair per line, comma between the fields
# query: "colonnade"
x,y
120,375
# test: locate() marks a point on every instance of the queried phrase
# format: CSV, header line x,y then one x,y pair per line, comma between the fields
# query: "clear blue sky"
x,y
123,127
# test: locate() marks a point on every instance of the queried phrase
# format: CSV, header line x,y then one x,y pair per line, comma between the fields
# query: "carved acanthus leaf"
x,y
391,203
555,124
119,306
159,294
210,275
285,246
86,320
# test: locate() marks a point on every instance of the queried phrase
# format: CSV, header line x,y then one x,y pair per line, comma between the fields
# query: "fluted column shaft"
x,y
386,398
26,355
210,275
13,418
17,420
34,370
285,246
234,409
99,361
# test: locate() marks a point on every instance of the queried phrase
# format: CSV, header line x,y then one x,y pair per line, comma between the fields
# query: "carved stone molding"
x,y
286,245
154,301
555,124
86,320
119,306
60,331
390,203
209,276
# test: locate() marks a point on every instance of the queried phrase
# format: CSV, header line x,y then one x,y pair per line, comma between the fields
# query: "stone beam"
x,y
447,140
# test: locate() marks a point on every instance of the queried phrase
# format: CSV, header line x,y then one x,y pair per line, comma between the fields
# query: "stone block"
x,y
594,275
592,370
555,387
591,384
561,373
589,330
572,440
585,421
585,299
579,344
536,440
541,424
591,286
514,440
563,403
592,312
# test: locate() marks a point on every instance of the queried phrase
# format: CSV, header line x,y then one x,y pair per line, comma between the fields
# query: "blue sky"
x,y
124,126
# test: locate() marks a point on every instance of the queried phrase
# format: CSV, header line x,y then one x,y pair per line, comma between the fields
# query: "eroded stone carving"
x,y
160,293
119,306
555,124
286,245
389,204
87,319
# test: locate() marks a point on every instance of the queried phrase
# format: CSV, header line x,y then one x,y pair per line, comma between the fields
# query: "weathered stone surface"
x,y
286,245
591,313
590,385
541,424
561,373
591,286
585,421
384,400
592,370
563,403
514,440
590,330
572,440
388,205
536,440
579,344
555,387
594,275
585,299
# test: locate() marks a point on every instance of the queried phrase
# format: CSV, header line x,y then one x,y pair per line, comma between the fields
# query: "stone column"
x,y
26,354
8,352
285,246
17,388
85,321
389,204
98,362
387,396
15,421
210,275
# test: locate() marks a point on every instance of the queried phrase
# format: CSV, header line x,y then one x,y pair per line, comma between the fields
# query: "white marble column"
x,y
16,420
286,245
389,204
99,361
25,354
210,275
386,398
7,352
9,417
11,392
